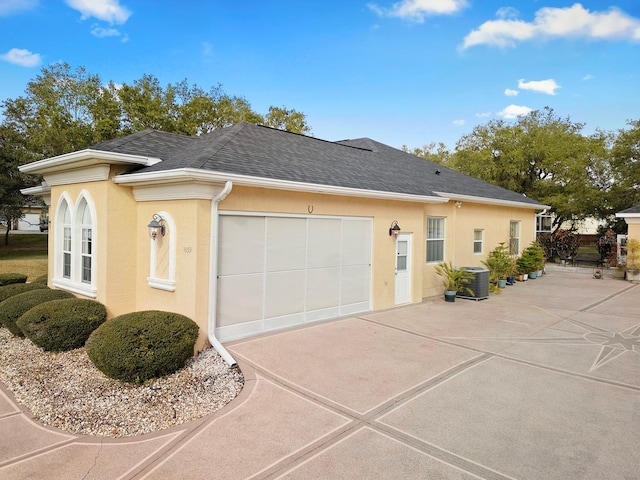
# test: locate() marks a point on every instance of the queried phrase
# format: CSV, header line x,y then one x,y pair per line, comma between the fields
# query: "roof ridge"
x,y
225,138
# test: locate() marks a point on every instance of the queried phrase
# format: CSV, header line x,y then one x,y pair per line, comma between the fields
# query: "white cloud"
x,y
550,22
541,86
10,7
107,10
458,123
511,93
19,56
587,77
417,10
507,12
514,111
483,114
104,32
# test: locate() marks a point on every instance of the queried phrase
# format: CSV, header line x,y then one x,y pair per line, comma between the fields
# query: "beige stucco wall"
x,y
460,224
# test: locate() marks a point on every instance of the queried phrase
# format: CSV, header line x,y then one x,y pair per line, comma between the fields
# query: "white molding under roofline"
x,y
205,176
627,215
492,201
87,157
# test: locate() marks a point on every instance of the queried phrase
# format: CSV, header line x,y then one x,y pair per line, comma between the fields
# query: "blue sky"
x,y
405,72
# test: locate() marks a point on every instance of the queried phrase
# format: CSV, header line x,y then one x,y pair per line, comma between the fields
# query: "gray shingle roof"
x,y
635,209
257,151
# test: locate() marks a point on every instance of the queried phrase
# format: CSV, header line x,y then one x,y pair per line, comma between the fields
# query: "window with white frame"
x,y
514,237
86,229
477,240
74,230
435,239
65,214
544,223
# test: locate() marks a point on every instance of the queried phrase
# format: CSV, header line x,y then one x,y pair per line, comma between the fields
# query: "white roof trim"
x,y
492,201
627,215
196,175
37,190
87,157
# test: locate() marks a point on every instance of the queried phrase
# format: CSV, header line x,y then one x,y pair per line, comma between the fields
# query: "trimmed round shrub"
x,y
42,279
61,325
17,288
11,278
139,346
14,307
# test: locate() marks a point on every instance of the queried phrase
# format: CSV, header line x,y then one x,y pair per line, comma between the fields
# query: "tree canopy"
x,y
548,158
65,109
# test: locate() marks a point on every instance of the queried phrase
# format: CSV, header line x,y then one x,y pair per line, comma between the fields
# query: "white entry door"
x,y
403,268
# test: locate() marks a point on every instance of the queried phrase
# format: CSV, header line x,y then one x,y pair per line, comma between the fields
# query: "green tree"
x,y
625,171
12,154
435,152
542,156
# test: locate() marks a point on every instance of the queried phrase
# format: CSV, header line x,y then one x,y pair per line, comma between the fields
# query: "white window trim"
x,y
443,239
481,241
167,284
517,237
75,283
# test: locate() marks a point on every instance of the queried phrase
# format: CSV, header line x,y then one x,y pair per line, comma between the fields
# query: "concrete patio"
x,y
540,382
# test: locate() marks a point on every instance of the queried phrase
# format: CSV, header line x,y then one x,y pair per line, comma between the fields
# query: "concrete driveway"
x,y
540,382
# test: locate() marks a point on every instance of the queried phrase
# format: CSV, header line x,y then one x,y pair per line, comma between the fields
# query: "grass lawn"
x,y
26,253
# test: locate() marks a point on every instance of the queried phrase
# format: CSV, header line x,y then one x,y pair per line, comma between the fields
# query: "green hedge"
x,y
42,279
14,307
12,278
17,288
139,346
62,325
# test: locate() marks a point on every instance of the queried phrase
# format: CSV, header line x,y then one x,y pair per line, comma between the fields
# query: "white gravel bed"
x,y
66,391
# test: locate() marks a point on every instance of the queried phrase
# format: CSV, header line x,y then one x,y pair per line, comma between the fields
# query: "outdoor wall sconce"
x,y
394,230
458,204
156,226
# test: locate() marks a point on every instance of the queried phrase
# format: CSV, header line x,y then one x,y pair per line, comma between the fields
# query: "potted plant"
x,y
454,280
513,271
633,260
523,267
499,264
615,264
534,253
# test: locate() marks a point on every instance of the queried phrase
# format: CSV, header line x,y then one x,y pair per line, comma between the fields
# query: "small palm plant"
x,y
454,279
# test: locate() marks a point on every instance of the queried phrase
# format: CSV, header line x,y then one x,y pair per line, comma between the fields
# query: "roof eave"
x,y
196,175
86,158
492,201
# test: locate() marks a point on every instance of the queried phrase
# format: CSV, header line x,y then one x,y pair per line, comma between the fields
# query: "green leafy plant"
x,y
14,307
534,254
62,325
499,263
139,346
454,279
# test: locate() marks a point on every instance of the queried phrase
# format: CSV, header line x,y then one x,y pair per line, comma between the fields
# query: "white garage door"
x,y
276,272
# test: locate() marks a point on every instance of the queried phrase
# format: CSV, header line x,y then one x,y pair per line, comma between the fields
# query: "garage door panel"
x,y
356,242
240,299
356,284
286,244
241,246
324,242
284,293
323,288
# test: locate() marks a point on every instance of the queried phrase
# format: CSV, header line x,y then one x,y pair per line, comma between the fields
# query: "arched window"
x,y
86,231
75,234
65,215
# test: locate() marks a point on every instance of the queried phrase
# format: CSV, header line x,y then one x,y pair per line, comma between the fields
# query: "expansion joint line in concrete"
x,y
607,298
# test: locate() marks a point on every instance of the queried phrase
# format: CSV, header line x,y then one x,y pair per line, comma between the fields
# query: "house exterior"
x,y
261,229
632,217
